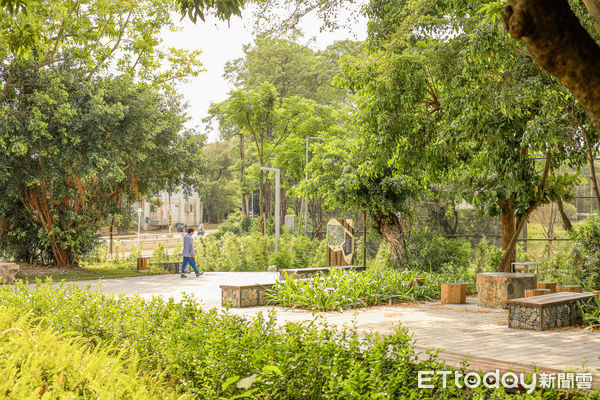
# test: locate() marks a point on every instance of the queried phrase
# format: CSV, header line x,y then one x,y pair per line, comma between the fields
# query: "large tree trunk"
x,y
3,225
560,45
390,227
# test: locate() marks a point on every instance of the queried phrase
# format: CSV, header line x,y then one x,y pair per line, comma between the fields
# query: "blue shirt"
x,y
188,246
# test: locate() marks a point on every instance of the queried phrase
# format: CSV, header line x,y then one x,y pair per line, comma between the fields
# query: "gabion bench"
x,y
239,296
304,273
547,311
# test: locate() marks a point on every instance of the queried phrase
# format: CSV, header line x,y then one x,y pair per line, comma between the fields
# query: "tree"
x,y
293,68
448,81
216,185
82,147
259,115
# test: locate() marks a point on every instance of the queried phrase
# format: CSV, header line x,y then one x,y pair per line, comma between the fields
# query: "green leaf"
x,y
246,382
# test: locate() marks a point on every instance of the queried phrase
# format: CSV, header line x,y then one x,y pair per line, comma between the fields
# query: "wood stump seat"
x,y
547,285
454,293
574,288
142,264
536,292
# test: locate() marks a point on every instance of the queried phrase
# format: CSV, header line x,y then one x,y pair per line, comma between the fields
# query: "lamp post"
x,y
277,203
306,178
139,212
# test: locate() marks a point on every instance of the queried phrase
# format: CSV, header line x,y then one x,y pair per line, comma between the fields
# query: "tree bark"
x,y
390,227
509,227
593,6
566,222
3,225
560,45
510,245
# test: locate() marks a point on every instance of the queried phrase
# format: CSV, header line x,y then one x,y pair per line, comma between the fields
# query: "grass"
x,y
105,270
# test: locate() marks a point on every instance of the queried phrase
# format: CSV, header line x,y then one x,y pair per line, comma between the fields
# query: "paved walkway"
x,y
465,329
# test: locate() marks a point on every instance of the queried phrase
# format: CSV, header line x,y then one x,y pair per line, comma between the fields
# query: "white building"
x,y
185,210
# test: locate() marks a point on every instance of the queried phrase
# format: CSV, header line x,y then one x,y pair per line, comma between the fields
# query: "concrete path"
x,y
465,329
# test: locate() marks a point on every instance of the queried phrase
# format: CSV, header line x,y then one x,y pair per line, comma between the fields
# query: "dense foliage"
x,y
90,121
65,365
212,354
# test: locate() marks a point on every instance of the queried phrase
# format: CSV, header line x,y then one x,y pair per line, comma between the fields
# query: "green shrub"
x,y
578,264
341,290
37,362
585,254
591,313
383,259
255,252
435,253
216,355
485,257
235,224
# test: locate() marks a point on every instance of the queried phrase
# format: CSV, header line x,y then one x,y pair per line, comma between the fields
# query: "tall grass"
x,y
341,290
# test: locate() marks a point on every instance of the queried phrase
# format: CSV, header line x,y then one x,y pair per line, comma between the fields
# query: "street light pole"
x,y
306,178
277,203
139,212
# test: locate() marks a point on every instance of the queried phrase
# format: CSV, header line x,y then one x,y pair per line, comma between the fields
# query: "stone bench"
x,y
495,288
304,273
239,296
547,311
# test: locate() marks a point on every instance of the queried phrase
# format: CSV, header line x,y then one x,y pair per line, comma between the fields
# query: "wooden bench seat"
x,y
547,311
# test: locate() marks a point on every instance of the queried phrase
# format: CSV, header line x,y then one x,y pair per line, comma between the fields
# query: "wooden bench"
x,y
239,296
304,273
547,311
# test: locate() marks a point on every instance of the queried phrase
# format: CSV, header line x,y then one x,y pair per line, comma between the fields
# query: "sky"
x,y
221,42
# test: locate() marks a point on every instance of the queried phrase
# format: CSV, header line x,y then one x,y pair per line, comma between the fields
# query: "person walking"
x,y
188,253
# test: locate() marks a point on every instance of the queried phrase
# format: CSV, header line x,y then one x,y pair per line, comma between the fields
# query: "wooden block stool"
x,y
454,293
547,285
142,264
536,292
576,289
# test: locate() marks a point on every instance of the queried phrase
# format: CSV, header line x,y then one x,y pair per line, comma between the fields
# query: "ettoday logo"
x,y
508,380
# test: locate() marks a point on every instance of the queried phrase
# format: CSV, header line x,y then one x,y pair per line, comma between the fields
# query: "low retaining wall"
x,y
239,296
173,266
305,273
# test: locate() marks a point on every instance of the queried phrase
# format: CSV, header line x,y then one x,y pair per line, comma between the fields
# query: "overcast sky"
x,y
221,43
